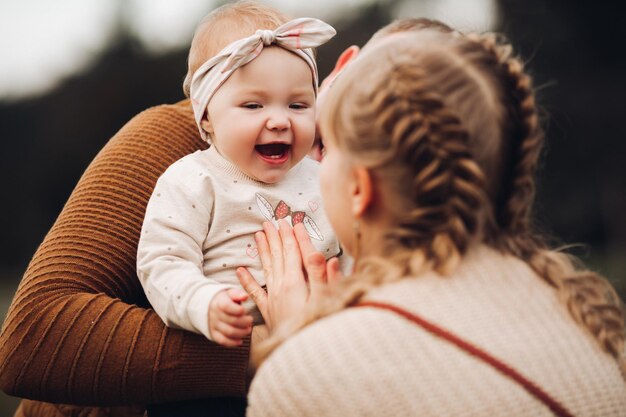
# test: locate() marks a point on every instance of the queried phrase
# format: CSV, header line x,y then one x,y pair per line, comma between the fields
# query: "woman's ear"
x,y
362,192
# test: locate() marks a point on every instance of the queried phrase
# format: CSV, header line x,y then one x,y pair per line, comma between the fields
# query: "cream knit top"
x,y
199,228
370,362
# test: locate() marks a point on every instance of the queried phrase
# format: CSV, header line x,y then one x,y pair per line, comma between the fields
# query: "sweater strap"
x,y
532,388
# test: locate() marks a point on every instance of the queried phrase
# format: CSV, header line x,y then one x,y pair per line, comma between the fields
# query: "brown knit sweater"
x,y
79,330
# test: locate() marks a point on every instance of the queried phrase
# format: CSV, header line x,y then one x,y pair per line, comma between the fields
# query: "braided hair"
x,y
591,300
448,125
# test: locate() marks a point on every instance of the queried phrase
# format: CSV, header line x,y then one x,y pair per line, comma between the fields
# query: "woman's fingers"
x,y
265,256
288,291
275,249
291,251
256,292
315,265
314,261
304,240
292,283
333,272
282,252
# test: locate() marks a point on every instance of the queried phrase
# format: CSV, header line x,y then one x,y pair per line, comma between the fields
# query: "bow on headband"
x,y
297,36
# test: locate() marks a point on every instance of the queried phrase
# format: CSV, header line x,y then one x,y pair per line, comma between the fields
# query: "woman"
x,y
455,305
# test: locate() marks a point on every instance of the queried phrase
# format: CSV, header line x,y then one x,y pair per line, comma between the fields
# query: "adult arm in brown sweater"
x,y
79,330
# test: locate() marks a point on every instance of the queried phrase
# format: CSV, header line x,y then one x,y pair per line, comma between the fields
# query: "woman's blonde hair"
x,y
226,24
447,124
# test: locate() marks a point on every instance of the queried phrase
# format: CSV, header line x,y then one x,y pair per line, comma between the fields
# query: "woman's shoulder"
x,y
166,125
325,340
180,110
151,141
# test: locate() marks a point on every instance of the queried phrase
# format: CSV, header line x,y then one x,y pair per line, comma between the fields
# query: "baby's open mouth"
x,y
273,150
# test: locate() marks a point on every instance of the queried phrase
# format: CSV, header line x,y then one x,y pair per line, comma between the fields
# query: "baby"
x,y
254,101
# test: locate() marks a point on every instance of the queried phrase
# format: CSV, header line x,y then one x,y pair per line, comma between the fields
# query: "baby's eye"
x,y
251,106
298,106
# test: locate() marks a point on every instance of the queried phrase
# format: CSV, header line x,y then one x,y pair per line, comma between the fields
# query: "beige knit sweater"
x,y
370,362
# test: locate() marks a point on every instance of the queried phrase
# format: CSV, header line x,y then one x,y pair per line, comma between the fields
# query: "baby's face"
x,y
263,117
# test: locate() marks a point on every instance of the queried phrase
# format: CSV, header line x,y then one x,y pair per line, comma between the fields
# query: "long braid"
x,y
524,136
591,300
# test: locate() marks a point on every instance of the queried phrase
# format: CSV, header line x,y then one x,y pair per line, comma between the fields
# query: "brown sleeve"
x,y
79,329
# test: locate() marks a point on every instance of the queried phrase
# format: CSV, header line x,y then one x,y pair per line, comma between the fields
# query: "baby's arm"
x,y
170,257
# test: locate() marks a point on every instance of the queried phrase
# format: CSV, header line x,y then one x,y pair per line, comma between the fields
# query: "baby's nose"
x,y
278,121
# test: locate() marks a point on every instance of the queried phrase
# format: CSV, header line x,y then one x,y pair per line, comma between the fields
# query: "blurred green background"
x,y
72,75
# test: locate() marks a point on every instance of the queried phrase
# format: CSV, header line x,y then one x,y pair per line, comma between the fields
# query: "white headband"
x,y
297,36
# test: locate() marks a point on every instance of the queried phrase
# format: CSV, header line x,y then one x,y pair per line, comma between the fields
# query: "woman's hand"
x,y
291,282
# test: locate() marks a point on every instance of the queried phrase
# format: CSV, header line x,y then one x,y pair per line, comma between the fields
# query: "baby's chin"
x,y
270,177
275,179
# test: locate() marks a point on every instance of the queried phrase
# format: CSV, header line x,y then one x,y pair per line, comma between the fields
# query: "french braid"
x,y
591,300
446,184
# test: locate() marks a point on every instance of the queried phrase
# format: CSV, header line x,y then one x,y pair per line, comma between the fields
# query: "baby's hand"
x,y
228,322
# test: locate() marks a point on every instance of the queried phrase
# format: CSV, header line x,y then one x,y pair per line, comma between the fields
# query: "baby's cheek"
x,y
305,128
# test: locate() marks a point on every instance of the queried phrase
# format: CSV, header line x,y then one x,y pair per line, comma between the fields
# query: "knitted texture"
x,y
371,362
79,330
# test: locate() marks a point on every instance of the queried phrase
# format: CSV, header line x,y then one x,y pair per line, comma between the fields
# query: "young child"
x,y
254,101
